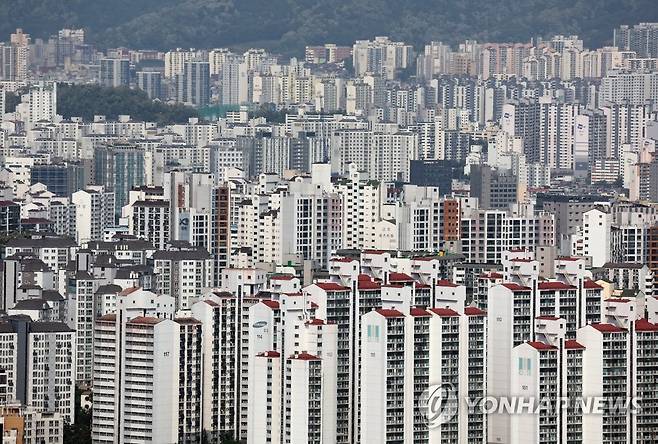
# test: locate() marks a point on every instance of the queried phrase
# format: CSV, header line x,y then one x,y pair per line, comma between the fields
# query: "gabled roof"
x,y
626,265
419,312
541,345
274,305
50,327
618,300
181,255
515,287
188,321
492,275
374,251
51,295
332,286
31,304
365,282
305,357
591,285
444,312
389,313
147,320
555,285
45,242
128,291
645,325
269,354
399,277
474,311
573,345
109,289
608,328
446,283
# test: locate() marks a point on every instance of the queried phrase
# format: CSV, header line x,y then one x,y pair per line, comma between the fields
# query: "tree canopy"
x,y
288,25
86,101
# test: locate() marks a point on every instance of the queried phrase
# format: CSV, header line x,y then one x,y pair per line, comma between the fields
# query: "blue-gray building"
x,y
119,167
151,83
62,179
115,73
194,84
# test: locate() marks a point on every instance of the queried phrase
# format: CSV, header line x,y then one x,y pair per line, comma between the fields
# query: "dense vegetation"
x,y
288,25
12,100
270,113
88,100
80,432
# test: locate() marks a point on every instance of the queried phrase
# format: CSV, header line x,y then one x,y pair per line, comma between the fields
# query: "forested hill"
x,y
288,25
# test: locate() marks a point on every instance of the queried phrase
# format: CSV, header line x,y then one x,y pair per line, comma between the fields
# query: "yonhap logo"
x,y
438,404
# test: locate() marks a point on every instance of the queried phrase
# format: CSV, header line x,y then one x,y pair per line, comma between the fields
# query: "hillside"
x,y
86,101
288,25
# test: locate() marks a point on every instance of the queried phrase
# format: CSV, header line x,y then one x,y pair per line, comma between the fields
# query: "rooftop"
x,y
573,345
332,286
444,312
541,345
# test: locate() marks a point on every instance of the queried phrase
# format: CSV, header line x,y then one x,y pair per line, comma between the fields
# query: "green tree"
x,y
270,112
286,26
86,101
12,99
80,431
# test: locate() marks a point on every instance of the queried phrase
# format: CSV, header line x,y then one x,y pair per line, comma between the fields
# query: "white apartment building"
x,y
487,234
548,368
39,103
55,252
397,354
38,365
384,156
8,363
220,348
360,198
175,60
607,359
184,273
94,213
510,307
556,135
626,125
81,290
149,220
597,236
523,313
382,392
304,407
381,57
147,383
217,57
331,299
234,74
310,223
635,87
415,216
